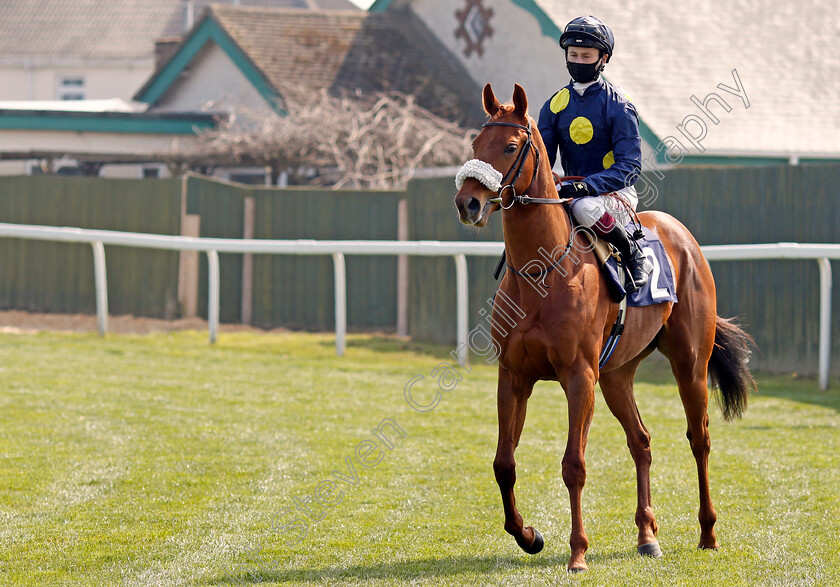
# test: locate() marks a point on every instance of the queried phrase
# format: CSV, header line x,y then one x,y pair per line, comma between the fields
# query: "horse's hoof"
x,y
576,570
650,549
537,545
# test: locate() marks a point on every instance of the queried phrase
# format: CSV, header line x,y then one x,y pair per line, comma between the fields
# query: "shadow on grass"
x,y
802,390
391,344
414,569
656,369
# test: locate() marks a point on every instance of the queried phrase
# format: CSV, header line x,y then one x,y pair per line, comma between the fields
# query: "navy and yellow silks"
x,y
597,135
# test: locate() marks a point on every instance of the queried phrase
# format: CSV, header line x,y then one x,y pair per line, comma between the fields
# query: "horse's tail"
x,y
728,367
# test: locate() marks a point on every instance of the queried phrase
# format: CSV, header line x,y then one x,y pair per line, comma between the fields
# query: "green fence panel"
x,y
432,216
220,205
58,277
777,301
298,291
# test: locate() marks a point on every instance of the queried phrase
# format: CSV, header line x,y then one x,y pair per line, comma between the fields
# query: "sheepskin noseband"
x,y
483,172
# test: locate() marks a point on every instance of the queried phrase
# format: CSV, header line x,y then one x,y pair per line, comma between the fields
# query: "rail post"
x,y
462,307
100,278
825,321
213,294
340,303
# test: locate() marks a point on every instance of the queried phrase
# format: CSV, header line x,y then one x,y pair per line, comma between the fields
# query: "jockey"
x,y
596,128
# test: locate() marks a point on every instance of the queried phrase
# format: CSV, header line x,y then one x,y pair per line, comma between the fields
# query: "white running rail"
x,y
822,253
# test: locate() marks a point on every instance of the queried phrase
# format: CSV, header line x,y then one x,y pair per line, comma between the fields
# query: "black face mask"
x,y
584,72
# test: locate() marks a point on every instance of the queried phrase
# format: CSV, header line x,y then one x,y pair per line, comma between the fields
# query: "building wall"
x,y
25,167
211,76
31,80
529,57
155,170
91,142
528,54
13,168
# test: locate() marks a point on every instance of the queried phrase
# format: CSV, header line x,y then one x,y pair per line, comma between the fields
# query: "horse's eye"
x,y
511,148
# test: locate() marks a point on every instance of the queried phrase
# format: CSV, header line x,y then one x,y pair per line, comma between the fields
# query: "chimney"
x,y
189,20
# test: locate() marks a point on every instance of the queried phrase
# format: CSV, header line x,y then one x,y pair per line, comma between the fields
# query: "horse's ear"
x,y
491,104
520,100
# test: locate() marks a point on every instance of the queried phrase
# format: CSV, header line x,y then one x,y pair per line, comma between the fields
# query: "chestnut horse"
x,y
567,323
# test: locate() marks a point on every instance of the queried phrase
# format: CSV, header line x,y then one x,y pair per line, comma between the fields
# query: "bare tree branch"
x,y
366,141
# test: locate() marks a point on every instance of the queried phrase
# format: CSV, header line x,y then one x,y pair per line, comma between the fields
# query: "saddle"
x,y
616,274
603,250
611,265
660,288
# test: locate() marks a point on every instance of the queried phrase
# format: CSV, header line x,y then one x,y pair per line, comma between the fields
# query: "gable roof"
x,y
784,53
281,50
108,29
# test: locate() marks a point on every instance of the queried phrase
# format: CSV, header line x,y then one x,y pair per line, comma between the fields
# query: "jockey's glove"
x,y
576,189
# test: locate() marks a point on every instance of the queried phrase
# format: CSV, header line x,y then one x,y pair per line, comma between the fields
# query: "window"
x,y
71,87
248,178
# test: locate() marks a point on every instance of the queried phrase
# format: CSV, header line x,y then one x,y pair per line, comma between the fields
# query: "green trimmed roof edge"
x,y
549,28
104,123
746,160
208,30
379,6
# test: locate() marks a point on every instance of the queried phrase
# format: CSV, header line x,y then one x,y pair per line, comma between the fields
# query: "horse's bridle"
x,y
517,165
516,170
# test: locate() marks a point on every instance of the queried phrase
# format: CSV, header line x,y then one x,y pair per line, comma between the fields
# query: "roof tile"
x,y
347,51
117,29
784,52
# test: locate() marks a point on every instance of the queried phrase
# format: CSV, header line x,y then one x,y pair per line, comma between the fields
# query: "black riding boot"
x,y
638,265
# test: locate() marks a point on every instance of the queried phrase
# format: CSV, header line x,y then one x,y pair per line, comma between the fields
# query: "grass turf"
x,y
160,460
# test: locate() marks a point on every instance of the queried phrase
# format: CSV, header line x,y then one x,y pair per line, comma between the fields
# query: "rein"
x,y
516,170
541,274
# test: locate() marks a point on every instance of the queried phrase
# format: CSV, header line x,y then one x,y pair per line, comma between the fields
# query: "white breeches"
x,y
587,211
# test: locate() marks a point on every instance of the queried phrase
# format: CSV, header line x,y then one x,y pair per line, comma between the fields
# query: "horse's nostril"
x,y
474,206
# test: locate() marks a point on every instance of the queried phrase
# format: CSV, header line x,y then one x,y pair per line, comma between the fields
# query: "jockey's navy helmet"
x,y
588,31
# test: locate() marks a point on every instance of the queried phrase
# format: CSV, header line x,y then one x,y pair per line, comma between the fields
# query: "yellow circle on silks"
x,y
560,100
581,130
609,159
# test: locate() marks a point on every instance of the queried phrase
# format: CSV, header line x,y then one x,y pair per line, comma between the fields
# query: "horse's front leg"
x,y
580,392
512,400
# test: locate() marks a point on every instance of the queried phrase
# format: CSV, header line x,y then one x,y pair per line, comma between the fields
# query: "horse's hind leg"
x,y
688,346
512,404
617,387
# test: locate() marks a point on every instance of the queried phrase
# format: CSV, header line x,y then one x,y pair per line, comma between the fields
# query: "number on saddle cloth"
x,y
661,286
